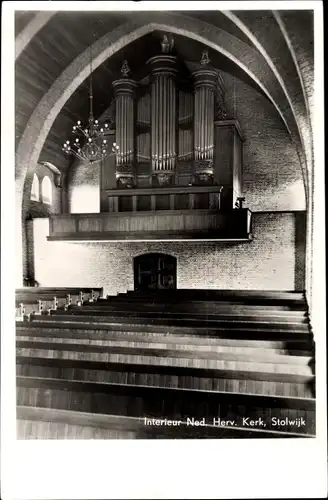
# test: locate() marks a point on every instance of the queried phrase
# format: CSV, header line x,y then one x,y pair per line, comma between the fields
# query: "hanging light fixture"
x,y
91,144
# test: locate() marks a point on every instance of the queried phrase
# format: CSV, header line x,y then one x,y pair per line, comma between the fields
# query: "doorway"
x,y
155,271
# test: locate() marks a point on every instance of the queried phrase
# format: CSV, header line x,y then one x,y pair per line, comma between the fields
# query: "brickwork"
x,y
253,265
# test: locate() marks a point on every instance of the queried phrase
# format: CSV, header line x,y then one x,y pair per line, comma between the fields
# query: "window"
x,y
35,191
46,190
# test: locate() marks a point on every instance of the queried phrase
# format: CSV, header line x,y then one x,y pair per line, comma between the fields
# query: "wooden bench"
x,y
84,293
201,309
167,357
39,300
290,299
47,423
131,400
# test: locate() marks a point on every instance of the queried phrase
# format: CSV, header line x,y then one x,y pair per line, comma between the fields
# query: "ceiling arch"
x,y
253,63
30,30
284,67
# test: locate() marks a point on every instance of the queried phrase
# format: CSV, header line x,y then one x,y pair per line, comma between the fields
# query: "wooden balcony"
x,y
169,225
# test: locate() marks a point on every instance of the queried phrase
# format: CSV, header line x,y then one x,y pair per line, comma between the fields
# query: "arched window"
x,y
46,190
35,191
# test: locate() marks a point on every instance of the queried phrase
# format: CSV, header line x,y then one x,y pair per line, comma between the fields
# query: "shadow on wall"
x,y
300,239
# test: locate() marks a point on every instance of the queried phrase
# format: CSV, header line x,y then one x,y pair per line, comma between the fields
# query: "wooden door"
x,y
154,272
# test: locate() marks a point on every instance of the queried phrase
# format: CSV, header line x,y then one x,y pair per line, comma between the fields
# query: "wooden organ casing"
x,y
172,132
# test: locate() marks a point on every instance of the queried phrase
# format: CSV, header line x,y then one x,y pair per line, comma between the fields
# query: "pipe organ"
x,y
171,128
205,84
163,117
125,93
186,113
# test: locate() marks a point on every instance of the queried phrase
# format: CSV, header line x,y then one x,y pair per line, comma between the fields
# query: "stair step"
x,y
155,356
274,384
206,351
31,329
170,403
45,423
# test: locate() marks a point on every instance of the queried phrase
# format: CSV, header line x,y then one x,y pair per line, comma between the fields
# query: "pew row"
x,y
35,300
204,359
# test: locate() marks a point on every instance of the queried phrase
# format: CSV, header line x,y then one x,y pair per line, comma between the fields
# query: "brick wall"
x,y
253,265
272,176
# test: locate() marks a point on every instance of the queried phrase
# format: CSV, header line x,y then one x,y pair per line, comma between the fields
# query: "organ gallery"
x,y
173,129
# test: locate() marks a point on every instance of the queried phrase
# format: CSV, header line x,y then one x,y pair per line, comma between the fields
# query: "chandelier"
x,y
90,144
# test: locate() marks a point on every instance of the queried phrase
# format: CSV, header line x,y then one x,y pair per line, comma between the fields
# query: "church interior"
x,y
164,221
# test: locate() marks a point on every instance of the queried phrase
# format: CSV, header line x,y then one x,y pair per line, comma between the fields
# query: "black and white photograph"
x,y
165,220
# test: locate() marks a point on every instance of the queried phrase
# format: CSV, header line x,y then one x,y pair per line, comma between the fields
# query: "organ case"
x,y
168,131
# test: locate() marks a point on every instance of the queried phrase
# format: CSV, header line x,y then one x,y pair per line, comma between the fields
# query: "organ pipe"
x,y
163,147
125,93
205,86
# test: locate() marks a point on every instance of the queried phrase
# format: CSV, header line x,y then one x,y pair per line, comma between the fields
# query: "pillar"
x,y
163,118
125,135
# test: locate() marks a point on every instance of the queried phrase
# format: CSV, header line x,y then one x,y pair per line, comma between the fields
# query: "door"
x,y
154,271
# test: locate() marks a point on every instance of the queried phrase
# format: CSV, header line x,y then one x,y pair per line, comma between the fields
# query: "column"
x,y
205,89
164,115
125,135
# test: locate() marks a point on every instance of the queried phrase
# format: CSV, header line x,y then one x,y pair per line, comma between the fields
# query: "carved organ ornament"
x,y
163,126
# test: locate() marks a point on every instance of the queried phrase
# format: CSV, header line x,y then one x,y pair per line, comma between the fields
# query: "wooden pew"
x,y
231,296
48,423
87,293
40,300
222,363
294,324
167,358
131,400
199,311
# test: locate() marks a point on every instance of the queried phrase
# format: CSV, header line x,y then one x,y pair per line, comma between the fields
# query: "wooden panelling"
x,y
86,224
230,225
65,224
58,43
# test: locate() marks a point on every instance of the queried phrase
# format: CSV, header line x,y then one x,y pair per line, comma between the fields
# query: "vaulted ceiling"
x,y
49,47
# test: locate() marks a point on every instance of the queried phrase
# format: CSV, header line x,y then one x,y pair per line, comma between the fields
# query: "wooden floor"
x,y
104,368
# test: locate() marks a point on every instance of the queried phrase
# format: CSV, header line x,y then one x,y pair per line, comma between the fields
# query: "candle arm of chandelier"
x,y
93,130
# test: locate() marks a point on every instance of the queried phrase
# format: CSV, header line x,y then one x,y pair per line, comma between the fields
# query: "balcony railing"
x,y
175,198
